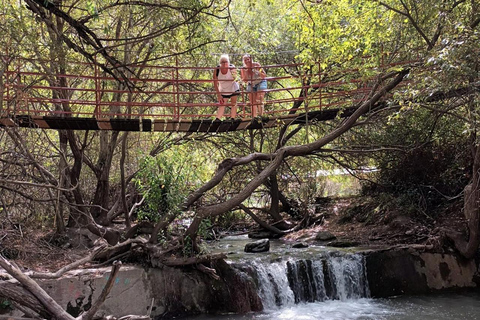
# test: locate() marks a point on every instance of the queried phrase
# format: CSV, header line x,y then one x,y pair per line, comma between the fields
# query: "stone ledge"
x,y
407,271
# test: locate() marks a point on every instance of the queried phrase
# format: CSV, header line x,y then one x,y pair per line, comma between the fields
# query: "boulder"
x,y
324,236
299,245
258,246
263,234
343,244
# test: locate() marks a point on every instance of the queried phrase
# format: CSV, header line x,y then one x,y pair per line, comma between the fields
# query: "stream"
x,y
320,283
465,306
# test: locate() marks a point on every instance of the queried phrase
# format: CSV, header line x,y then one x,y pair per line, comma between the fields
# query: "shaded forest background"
x,y
411,142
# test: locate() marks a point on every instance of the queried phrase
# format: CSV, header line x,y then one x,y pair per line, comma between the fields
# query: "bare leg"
x,y
258,109
233,107
252,97
260,96
220,111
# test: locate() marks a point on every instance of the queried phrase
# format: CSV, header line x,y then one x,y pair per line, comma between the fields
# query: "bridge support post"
x,y
98,110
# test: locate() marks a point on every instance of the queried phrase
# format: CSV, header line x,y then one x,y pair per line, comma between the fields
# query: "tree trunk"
x,y
275,198
77,216
123,192
21,297
102,170
62,168
468,248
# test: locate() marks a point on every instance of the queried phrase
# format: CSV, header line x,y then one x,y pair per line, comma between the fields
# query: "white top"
x,y
226,82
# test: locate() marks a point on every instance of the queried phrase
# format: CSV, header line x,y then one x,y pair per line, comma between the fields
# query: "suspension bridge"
x,y
81,96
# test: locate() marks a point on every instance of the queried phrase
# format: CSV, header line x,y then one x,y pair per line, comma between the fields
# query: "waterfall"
x,y
273,287
348,277
331,277
307,280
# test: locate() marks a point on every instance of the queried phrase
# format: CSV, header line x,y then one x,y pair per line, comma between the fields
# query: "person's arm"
x,y
216,86
243,75
261,72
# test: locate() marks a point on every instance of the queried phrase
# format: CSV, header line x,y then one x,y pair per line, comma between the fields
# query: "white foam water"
x,y
451,306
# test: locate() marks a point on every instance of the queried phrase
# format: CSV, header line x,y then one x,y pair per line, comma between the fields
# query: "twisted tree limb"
x,y
277,158
51,305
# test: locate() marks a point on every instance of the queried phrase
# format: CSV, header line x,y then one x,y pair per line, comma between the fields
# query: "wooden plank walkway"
x,y
155,125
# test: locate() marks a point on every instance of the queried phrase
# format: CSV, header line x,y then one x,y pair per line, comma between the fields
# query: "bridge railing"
x,y
78,89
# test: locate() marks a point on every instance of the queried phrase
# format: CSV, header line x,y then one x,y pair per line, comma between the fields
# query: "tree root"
x,y
209,271
177,262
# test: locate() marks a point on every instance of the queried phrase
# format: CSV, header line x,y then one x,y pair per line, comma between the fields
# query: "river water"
x,y
318,283
465,306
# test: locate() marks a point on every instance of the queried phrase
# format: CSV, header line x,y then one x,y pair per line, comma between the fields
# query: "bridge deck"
x,y
155,125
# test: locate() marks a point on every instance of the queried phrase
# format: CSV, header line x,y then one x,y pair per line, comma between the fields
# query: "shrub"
x,y
162,181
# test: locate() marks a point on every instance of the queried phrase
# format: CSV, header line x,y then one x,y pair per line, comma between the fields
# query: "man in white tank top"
x,y
225,86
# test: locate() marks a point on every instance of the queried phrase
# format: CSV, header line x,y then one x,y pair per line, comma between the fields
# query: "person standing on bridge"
x,y
254,76
226,87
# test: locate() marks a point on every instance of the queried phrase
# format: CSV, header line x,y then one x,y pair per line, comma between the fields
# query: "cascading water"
x,y
324,283
307,280
331,277
273,286
348,277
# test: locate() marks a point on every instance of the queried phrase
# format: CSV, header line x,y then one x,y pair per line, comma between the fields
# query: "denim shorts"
x,y
262,85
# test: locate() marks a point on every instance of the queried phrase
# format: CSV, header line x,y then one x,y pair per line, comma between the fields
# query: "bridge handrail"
x,y
162,92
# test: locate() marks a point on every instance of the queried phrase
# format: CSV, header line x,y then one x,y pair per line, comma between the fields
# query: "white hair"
x,y
225,57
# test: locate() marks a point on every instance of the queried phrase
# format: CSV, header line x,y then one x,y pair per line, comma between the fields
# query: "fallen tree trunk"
x,y
262,223
177,262
51,305
22,298
28,294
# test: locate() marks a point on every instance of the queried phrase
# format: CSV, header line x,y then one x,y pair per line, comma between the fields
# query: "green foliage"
x,y
187,249
306,190
5,304
338,30
162,180
92,9
433,165
205,229
232,220
259,26
341,185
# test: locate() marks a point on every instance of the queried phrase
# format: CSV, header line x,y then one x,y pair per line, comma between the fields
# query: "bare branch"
x,y
412,21
47,301
103,295
84,32
23,299
31,184
261,222
71,266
